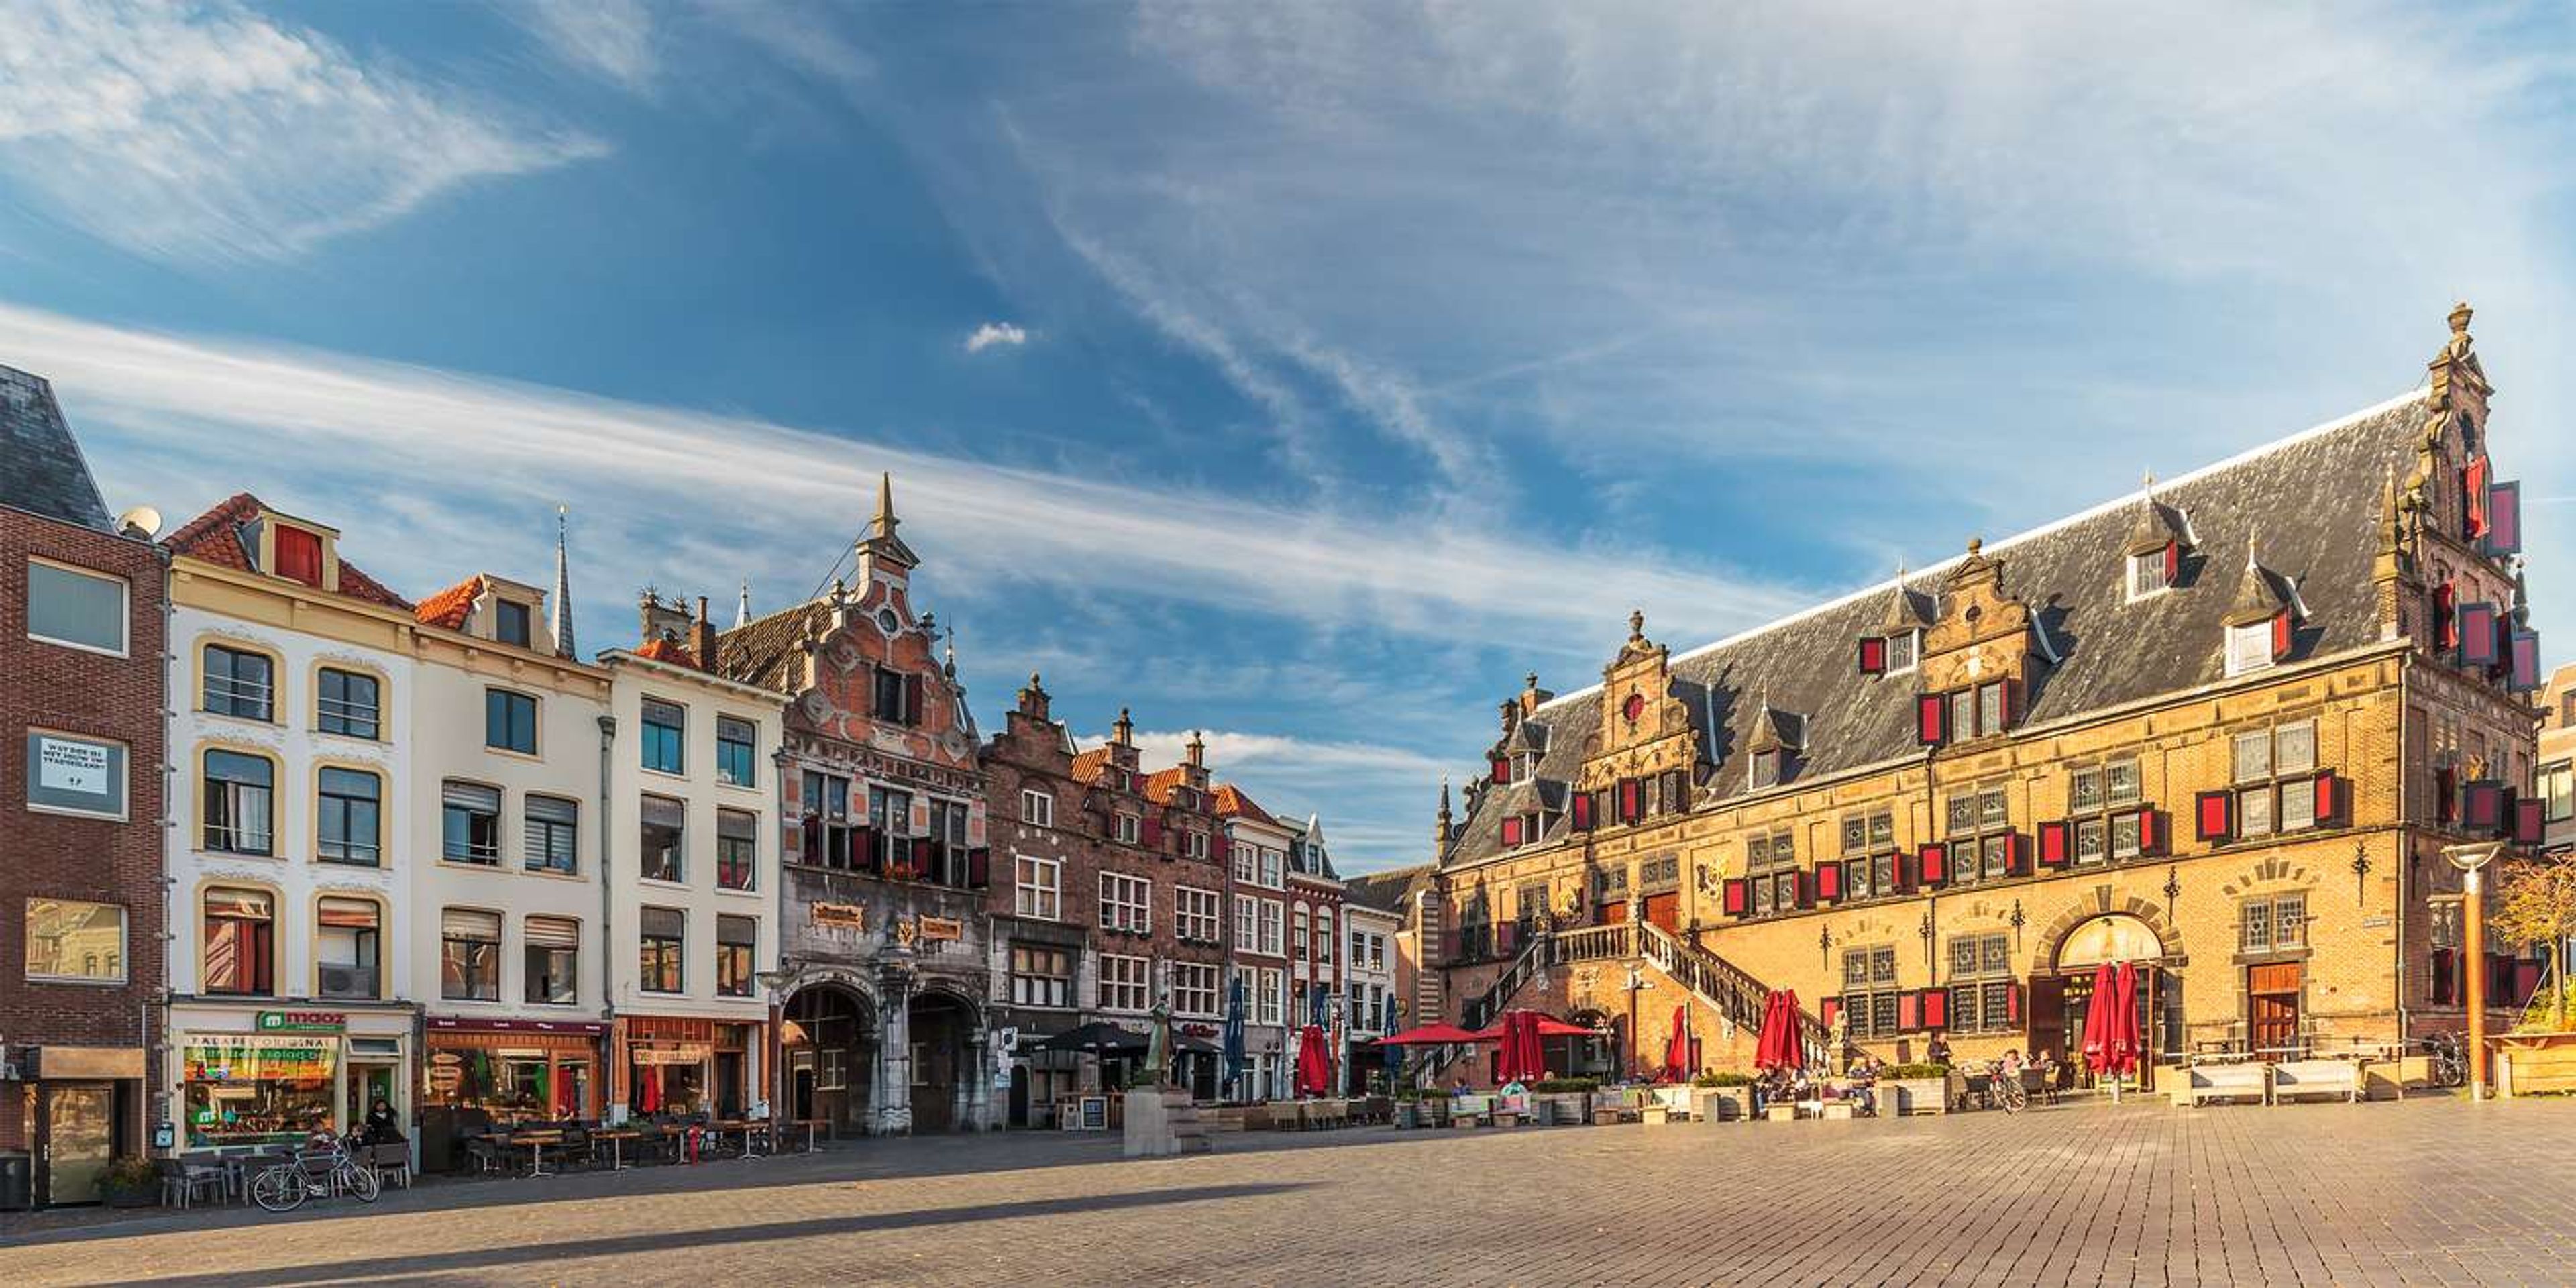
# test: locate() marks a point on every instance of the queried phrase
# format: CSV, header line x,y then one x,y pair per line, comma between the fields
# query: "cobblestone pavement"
x,y
2429,1191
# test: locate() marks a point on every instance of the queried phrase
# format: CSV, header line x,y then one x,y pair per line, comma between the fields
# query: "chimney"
x,y
1033,699
702,638
1533,697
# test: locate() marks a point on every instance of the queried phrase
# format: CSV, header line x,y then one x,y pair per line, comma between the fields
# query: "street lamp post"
x,y
2471,860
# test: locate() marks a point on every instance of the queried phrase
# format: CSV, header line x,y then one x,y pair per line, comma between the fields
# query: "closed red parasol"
x,y
1677,1047
2124,1021
2097,1019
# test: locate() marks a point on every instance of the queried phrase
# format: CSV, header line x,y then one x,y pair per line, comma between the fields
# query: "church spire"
x,y
559,621
881,551
742,607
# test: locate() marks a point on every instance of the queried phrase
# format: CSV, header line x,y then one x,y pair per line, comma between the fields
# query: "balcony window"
x,y
240,945
348,947
469,955
349,829
349,704
241,803
470,824
553,961
665,830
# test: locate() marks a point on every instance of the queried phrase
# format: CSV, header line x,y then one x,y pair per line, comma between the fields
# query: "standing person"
x,y
1939,1051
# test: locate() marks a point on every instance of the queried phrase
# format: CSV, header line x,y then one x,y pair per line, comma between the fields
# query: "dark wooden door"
x,y
2047,1013
1665,910
2272,1007
1613,913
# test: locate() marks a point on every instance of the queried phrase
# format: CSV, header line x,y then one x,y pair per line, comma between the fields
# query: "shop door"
x,y
2048,1031
729,1083
368,1083
80,1140
2272,1008
1665,910
1019,1095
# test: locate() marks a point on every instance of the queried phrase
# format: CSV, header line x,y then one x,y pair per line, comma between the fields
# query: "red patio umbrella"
x,y
2097,1019
2124,1035
1776,1047
1677,1047
1314,1076
1439,1035
1793,1044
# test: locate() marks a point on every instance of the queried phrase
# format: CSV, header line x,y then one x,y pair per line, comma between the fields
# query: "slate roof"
x,y
221,536
41,470
764,651
1391,890
2320,548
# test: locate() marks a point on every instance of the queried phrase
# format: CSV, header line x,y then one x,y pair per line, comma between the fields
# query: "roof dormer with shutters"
x,y
2152,559
1532,807
1979,657
2262,622
1896,646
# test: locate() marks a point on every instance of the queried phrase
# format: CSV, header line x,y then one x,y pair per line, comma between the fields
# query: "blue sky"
x,y
1303,373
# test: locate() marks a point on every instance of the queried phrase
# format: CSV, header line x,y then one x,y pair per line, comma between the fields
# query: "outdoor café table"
x,y
536,1141
744,1126
809,1124
617,1138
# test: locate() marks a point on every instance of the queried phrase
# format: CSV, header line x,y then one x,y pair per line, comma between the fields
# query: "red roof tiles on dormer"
x,y
448,608
1159,784
216,537
1087,765
672,651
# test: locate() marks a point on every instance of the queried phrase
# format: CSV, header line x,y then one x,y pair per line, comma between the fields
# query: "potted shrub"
x,y
1568,1100
1408,1109
1716,1097
1919,1088
131,1183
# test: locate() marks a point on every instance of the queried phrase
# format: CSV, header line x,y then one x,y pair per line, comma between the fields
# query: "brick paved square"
x,y
2430,1191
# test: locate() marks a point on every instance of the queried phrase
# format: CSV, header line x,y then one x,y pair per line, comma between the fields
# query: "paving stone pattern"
x,y
2430,1191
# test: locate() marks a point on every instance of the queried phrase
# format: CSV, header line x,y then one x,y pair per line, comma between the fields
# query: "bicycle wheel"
x,y
2014,1098
360,1181
278,1189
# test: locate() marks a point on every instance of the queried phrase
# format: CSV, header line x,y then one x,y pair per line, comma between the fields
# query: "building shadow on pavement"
x,y
436,1265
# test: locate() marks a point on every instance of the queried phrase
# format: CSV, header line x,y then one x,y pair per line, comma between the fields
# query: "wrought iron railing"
x,y
1737,995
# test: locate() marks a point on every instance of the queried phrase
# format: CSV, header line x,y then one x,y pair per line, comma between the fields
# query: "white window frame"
x,y
1125,828
124,614
1271,869
1192,981
1037,808
2249,648
1273,994
1911,643
1198,915
1119,992
2141,567
1247,923
1037,886
1247,862
1126,903
1274,928
120,757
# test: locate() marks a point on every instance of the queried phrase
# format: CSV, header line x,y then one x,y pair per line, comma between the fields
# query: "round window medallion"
x,y
887,621
1634,707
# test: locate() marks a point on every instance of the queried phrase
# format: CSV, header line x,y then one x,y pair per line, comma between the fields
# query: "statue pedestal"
x,y
1163,1123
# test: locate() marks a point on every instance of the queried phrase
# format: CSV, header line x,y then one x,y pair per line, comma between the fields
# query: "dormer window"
x,y
512,622
299,555
1902,649
2152,573
2249,647
1766,769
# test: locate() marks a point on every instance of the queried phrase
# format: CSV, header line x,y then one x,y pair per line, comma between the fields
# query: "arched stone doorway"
x,y
2062,990
947,1064
830,1056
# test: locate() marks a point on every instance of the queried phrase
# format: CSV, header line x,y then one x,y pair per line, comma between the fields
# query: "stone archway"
x,y
948,1061
2061,993
829,1046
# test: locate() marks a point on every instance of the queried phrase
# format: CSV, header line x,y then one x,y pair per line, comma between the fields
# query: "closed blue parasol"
x,y
1234,1034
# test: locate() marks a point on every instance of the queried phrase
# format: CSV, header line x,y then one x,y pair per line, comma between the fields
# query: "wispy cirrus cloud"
x,y
207,132
993,333
178,408
611,39
1353,789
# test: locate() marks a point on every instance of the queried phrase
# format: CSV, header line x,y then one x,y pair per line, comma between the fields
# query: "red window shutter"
x,y
1935,1008
2485,807
2530,821
1931,719
1873,655
2012,1003
1220,846
1582,808
920,866
1827,1008
979,867
2446,795
1632,800
1502,769
1738,898
1806,889
2522,662
1829,883
2445,976
2281,635
2477,634
2173,562
2016,855
299,556
865,839
1909,872
2216,812
2055,847
1909,1011
2504,519
2327,800
2152,830
2473,495
1511,832
2526,981
1936,865
911,699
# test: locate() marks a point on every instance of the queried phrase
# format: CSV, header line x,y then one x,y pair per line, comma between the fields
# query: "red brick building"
x,y
80,808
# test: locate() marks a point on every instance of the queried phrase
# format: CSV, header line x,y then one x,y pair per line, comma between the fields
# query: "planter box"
x,y
2528,1063
1841,1109
1921,1095
1656,1115
1605,1116
1780,1113
1719,1104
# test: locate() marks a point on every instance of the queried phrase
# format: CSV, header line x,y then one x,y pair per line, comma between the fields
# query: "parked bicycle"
x,y
324,1168
2450,1060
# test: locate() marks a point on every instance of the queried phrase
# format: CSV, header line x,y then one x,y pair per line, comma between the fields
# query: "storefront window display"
x,y
512,1084
668,1078
257,1089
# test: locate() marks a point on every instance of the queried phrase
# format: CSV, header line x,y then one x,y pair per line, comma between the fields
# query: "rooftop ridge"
x,y
1916,575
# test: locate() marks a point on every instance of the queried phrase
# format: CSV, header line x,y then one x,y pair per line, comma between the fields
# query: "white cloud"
x,y
611,39
207,132
1357,791
232,414
993,333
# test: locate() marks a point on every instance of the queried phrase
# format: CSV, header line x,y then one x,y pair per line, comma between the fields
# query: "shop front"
x,y
483,1073
686,1066
86,1102
247,1078
2061,997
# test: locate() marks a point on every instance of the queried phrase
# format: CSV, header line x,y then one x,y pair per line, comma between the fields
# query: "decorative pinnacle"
x,y
885,521
1637,623
1976,545
2460,315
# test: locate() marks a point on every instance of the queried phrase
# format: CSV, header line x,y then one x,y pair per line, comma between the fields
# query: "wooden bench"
x,y
1469,1111
2339,1078
2230,1082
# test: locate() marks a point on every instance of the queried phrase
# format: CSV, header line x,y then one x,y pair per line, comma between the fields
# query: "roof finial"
x,y
1976,546
1197,749
949,641
2460,315
2150,484
560,625
885,522
1637,623
742,606
1123,732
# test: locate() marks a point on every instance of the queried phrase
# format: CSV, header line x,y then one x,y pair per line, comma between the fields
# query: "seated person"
x,y
383,1126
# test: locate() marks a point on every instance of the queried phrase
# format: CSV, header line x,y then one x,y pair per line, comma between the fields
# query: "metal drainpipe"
x,y
2397,913
607,920
158,1053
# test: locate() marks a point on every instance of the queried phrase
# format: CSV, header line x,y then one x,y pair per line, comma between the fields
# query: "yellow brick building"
x,y
2221,728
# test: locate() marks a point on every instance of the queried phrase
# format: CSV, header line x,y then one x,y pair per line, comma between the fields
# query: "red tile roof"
x,y
1087,765
661,649
1234,802
215,537
448,608
1159,784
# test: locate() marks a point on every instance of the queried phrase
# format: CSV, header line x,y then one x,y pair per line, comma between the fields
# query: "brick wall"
x,y
58,856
